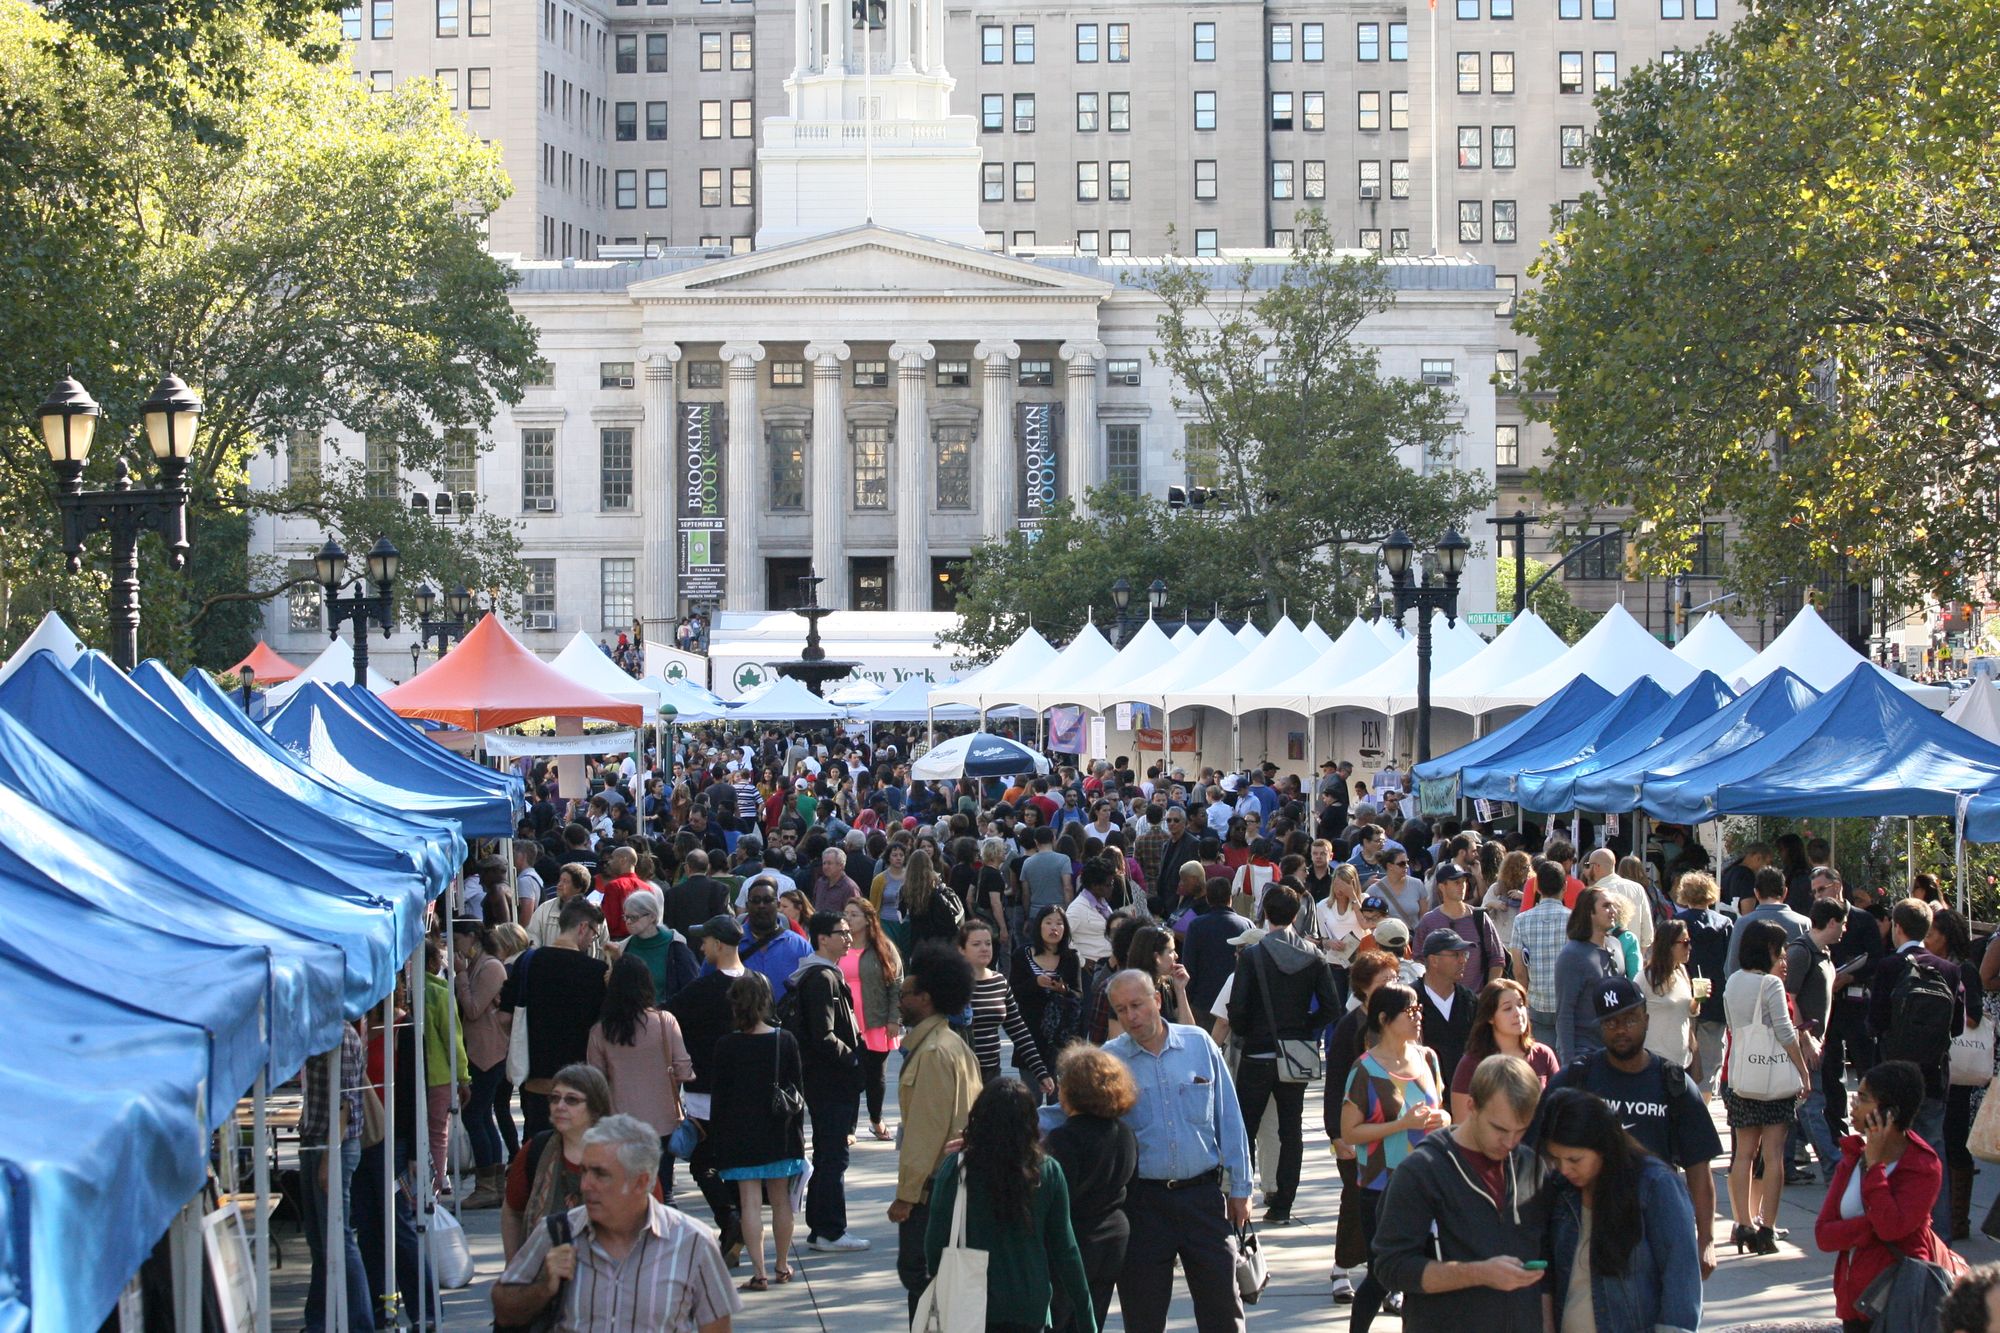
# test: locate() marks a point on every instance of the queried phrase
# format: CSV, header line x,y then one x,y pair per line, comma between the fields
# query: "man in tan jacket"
x,y
934,1095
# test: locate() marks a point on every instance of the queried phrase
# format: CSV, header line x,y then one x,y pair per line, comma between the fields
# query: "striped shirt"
x,y
1539,935
672,1280
313,1116
993,1007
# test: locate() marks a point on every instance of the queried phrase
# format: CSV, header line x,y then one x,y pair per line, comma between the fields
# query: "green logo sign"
x,y
749,676
676,671
1489,618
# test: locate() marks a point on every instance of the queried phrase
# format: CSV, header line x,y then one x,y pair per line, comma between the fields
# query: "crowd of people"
x,y
1113,993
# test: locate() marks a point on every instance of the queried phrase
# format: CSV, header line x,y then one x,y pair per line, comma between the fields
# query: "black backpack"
x,y
1920,1009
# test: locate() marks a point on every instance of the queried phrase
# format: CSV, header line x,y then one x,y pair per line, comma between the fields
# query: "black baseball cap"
x,y
721,927
1445,940
1614,995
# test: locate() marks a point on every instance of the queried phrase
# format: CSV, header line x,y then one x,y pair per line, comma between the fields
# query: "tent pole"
x,y
260,1212
334,1245
385,1301
420,1135
1958,856
184,1247
452,1111
1909,850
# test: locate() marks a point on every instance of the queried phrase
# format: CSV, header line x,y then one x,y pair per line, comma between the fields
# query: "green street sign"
x,y
1489,618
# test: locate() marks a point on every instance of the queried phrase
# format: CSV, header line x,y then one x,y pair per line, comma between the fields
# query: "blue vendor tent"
x,y
1551,717
1552,787
1495,780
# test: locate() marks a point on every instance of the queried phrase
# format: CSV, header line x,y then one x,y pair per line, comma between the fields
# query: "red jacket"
x,y
1895,1218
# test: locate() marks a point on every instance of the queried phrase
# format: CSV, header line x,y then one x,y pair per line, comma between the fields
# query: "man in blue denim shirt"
x,y
1191,1149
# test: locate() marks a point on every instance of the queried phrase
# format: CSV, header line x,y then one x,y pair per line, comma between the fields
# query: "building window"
x,y
1569,72
1369,173
479,18
1503,72
1399,241
1468,71
1204,243
1118,112
625,54
1506,221
1468,147
627,189
538,604
1506,446
993,182
1086,113
1708,551
302,603
1503,147
1024,113
656,187
656,120
1200,460
1572,145
1368,111
382,20
1281,111
1037,374
1281,180
871,374
1024,43
711,120
1281,42
538,469
448,81
953,467
381,80
1399,41
1204,41
1471,221
1603,562
704,374
1371,240
1086,43
1468,11
1604,9
1204,110
1673,9
1086,182
1118,43
711,52
350,23
1024,182
1438,372
1023,239
1123,371
711,187
656,53
615,583
614,467
1507,284
1704,9
1121,458
992,44
1312,112
741,55
1399,179
1569,9
871,468
614,375
1507,370
302,455
954,374
992,113
1312,42
788,374
1121,182
1121,243
1605,70
1399,111
1204,178
478,88
1368,41
785,445
1315,181
741,126
447,18
625,121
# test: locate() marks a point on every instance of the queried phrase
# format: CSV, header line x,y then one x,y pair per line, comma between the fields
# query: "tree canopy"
x,y
1310,453
301,251
1551,601
1780,300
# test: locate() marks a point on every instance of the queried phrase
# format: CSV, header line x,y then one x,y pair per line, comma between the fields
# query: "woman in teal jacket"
x,y
445,1071
1017,1210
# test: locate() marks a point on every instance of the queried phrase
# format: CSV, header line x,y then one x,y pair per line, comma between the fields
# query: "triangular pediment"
x,y
870,261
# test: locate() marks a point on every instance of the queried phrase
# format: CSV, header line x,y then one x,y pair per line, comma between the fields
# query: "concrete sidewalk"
x,y
859,1293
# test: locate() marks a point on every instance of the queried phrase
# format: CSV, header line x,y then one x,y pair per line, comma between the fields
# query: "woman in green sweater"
x,y
1017,1210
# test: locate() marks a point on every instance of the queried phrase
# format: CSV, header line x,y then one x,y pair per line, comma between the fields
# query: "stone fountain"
x,y
812,667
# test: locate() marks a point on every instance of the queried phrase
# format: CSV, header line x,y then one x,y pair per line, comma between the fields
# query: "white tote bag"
x,y
517,1036
1759,1067
1972,1055
955,1301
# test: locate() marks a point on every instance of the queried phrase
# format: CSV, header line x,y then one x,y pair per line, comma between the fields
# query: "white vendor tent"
x,y
745,648
785,700
1317,639
1019,663
1147,650
52,635
857,695
1249,636
1183,636
1284,650
1810,650
1978,709
584,663
1392,687
1388,631
1083,656
912,702
1214,650
689,701
1525,646
1358,650
334,665
1713,646
1616,653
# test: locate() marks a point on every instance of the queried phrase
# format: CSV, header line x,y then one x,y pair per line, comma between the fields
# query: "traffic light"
x,y
872,14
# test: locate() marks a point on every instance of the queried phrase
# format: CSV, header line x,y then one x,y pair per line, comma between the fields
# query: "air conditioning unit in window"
x,y
545,506
624,381
1131,380
1371,192
542,620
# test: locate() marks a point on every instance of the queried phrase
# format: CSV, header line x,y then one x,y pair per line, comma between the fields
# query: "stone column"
x,y
1080,447
657,510
900,18
829,473
913,478
743,583
996,434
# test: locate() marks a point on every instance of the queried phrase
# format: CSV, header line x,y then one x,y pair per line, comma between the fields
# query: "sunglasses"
x,y
1405,861
568,1099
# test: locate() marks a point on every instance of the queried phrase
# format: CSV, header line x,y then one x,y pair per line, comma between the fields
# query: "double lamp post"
x,y
1398,554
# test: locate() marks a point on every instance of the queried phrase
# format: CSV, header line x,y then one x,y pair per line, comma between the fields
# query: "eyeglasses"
x,y
1405,861
845,930
568,1099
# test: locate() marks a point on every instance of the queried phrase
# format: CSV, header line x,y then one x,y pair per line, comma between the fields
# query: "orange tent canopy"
x,y
270,668
491,680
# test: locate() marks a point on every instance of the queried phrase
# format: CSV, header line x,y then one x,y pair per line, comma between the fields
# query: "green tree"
x,y
1779,302
312,256
1551,601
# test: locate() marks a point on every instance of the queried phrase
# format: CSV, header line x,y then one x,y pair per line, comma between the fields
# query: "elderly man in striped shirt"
x,y
633,1266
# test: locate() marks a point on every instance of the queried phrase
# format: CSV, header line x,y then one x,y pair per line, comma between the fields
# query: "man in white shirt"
x,y
528,887
1635,909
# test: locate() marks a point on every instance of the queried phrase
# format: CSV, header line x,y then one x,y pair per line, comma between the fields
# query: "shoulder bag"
x,y
1984,1140
955,1301
787,1104
1759,1068
1253,1274
517,1036
1972,1053
1298,1057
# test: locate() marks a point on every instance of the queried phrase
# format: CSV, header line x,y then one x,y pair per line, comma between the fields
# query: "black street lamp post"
x,y
456,623
1519,523
360,606
1121,598
1397,553
69,423
248,675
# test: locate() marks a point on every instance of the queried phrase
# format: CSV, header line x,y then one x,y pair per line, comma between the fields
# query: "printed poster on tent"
x,y
1066,730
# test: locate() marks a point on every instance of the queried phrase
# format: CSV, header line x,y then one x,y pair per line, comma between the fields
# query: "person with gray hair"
x,y
676,1282
832,888
666,955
